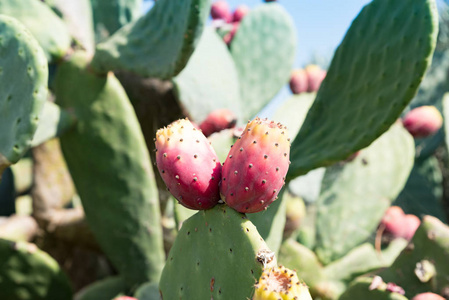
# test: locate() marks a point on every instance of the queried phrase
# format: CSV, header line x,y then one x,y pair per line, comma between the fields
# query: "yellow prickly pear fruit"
x,y
280,283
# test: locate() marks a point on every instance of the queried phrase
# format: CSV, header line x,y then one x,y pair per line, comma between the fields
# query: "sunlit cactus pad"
x,y
157,45
209,243
48,29
360,191
23,89
263,49
210,80
374,74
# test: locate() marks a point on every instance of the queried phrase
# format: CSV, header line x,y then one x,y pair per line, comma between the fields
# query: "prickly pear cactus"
x,y
419,268
158,44
119,195
361,289
263,49
20,105
354,106
215,240
27,273
378,173
48,29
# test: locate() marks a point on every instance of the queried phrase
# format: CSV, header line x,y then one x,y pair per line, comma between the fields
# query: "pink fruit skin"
x,y
220,11
239,13
255,168
230,35
315,75
218,120
398,224
428,296
125,298
423,121
188,165
299,82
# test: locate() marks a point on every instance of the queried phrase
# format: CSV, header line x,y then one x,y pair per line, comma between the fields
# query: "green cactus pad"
x,y
423,192
159,44
28,273
374,74
77,15
54,122
363,259
219,248
48,29
360,289
105,289
148,291
431,242
297,257
210,80
23,86
110,166
360,191
271,222
293,112
111,15
264,50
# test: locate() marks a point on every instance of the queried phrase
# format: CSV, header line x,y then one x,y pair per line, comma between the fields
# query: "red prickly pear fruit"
x,y
255,169
423,121
299,82
220,11
411,223
230,35
188,165
125,298
218,120
393,221
239,13
315,75
428,296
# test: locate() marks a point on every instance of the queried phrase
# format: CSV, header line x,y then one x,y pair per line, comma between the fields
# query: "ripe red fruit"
x,y
398,224
230,35
218,120
423,121
220,11
428,296
255,169
240,12
188,165
299,82
315,75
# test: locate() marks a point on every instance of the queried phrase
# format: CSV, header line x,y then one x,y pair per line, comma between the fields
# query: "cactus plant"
x,y
171,64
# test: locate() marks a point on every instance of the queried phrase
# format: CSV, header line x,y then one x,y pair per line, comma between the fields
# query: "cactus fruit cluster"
x,y
349,203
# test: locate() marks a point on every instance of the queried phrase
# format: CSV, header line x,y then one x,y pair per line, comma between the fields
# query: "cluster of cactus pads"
x,y
350,202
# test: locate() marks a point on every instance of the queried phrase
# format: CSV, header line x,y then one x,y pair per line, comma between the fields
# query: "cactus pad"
x,y
158,44
374,74
28,273
423,192
431,243
111,15
360,289
54,121
22,61
360,191
264,50
210,80
117,171
52,34
224,252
